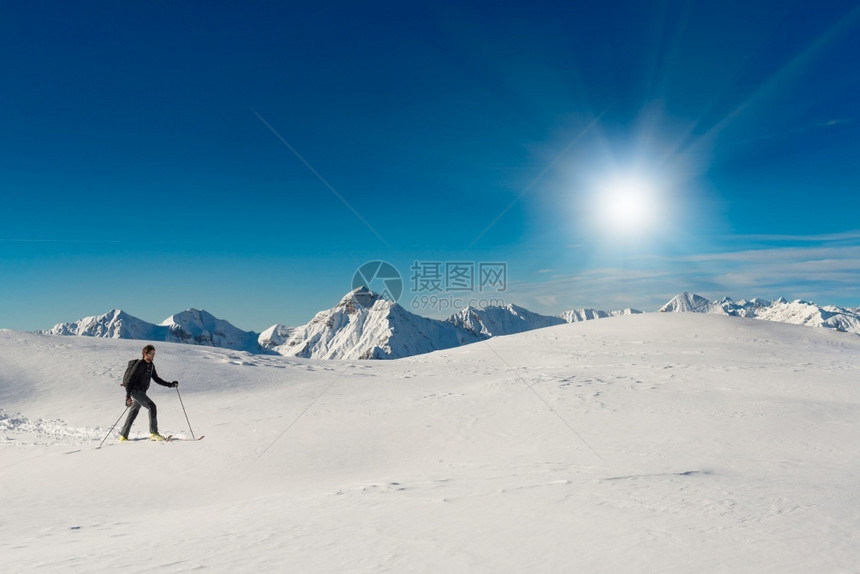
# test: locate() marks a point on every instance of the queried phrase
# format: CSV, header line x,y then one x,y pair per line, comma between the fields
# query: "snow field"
x,y
646,443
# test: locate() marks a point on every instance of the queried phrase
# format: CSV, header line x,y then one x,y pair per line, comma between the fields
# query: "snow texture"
x,y
658,442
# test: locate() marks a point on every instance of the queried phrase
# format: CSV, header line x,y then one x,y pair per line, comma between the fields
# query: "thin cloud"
x,y
838,122
37,240
777,81
853,235
828,274
800,130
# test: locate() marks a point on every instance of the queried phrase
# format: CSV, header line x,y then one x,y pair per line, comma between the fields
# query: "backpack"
x,y
132,364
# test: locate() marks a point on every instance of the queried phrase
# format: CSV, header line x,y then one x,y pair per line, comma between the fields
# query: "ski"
x,y
171,438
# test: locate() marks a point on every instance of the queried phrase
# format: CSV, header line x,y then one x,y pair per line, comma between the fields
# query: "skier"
x,y
135,394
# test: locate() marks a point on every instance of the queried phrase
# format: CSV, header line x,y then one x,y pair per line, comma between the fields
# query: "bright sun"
x,y
627,207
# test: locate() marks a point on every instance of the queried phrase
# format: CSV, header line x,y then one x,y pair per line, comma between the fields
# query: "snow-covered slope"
x,y
501,320
115,324
795,312
365,326
672,443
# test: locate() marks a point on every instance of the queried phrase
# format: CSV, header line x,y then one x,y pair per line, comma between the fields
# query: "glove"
x,y
174,384
128,401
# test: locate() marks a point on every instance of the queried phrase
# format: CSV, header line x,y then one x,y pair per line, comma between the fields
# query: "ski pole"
x,y
186,414
114,425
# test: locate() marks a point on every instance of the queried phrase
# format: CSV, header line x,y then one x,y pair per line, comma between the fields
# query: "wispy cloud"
x,y
788,73
838,122
38,240
824,273
783,238
801,130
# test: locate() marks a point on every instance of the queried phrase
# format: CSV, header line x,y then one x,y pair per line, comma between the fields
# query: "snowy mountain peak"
x,y
364,325
501,320
191,315
275,336
115,324
190,326
362,298
686,302
202,328
577,315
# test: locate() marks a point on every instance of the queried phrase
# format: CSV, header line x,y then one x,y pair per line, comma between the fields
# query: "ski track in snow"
x,y
18,430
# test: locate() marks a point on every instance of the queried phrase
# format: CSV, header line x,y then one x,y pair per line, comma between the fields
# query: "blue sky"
x,y
249,159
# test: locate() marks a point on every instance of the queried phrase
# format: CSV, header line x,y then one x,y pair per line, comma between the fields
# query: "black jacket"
x,y
140,377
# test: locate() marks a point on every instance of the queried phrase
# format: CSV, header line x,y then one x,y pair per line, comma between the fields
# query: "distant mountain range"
x,y
364,325
797,312
191,326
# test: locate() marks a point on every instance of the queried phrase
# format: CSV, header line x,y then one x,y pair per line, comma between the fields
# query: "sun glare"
x,y
633,199
627,206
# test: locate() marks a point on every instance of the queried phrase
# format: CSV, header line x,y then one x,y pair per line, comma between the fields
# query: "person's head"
x,y
148,353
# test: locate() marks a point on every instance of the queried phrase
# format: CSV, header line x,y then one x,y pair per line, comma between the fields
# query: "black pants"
x,y
140,400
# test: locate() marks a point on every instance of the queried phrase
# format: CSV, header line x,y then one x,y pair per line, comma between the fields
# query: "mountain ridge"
x,y
797,312
365,325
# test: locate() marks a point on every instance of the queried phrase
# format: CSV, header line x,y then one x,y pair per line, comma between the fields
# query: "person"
x,y
135,394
